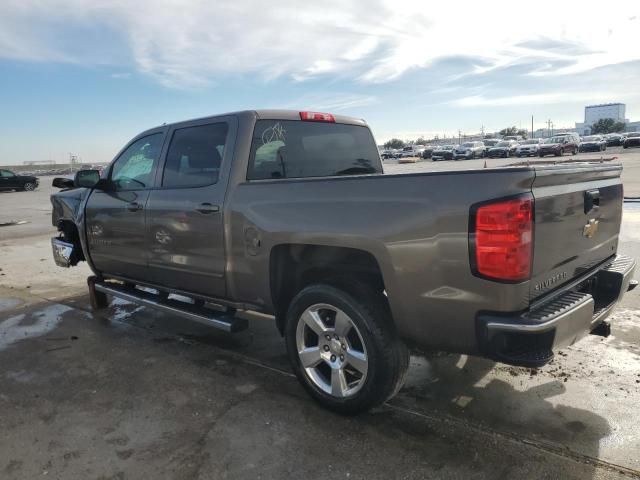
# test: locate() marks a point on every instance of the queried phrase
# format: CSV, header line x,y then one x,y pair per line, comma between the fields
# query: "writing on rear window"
x,y
294,149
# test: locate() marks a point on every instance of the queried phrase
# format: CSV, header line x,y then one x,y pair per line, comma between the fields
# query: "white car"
x,y
528,148
469,150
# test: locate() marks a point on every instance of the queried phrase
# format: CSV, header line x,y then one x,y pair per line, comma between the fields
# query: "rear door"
x,y
185,228
115,219
578,211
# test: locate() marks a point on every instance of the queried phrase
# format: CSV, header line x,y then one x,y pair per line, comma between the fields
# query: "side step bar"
x,y
203,315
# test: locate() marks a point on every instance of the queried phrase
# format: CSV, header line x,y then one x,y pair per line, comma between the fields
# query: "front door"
x,y
115,218
8,180
185,215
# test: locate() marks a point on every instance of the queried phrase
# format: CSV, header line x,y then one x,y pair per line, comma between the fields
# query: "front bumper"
x,y
529,338
498,153
590,148
62,252
550,151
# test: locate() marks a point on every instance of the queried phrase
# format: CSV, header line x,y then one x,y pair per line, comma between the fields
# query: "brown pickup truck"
x,y
290,214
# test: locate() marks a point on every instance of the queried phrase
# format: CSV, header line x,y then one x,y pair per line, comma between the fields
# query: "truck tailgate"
x,y
578,210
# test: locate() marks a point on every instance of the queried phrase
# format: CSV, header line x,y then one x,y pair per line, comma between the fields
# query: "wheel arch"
x,y
293,266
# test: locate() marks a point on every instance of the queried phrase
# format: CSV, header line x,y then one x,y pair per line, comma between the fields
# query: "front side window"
x,y
7,174
297,149
133,170
195,155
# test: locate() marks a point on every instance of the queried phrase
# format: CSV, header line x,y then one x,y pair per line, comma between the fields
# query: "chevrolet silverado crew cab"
x,y
289,214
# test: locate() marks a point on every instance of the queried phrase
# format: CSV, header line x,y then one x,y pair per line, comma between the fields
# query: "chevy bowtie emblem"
x,y
590,228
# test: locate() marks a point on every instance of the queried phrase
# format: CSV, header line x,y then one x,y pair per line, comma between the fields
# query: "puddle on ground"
x,y
9,303
29,325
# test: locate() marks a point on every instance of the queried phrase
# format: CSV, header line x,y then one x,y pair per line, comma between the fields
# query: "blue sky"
x,y
84,76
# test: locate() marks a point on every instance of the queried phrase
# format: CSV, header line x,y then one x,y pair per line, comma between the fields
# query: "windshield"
x,y
504,144
592,138
467,145
635,134
555,140
530,142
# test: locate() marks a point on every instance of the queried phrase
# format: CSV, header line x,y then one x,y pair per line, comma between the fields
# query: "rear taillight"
x,y
501,237
317,117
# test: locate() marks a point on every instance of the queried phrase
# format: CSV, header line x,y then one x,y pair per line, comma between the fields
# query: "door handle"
x,y
134,207
207,208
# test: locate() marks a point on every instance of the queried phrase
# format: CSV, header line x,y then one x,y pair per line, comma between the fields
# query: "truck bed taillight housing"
x,y
501,239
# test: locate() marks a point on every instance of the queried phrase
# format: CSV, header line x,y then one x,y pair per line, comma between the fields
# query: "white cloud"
x,y
336,102
186,43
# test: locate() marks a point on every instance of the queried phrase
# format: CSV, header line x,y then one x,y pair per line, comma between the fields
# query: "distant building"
x,y
593,113
39,162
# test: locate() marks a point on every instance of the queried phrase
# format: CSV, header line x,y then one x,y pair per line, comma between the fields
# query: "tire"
x,y
372,341
29,187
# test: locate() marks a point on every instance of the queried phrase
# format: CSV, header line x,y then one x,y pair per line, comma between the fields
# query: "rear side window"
x,y
195,155
297,149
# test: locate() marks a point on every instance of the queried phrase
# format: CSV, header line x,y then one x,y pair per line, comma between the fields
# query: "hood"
x,y
550,145
498,148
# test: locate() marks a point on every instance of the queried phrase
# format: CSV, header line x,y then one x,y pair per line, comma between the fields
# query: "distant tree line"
x,y
607,125
513,132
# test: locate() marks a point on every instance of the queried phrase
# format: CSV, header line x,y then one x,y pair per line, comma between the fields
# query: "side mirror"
x,y
86,178
61,182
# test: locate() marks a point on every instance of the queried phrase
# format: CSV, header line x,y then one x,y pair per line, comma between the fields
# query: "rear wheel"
x,y
29,187
343,347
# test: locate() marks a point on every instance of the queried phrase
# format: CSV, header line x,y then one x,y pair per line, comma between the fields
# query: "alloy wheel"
x,y
331,350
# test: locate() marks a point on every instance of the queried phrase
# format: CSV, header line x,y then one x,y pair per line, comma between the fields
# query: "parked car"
x,y
559,144
488,143
614,140
528,148
412,151
386,154
592,143
428,151
289,214
505,149
468,150
12,181
632,140
443,152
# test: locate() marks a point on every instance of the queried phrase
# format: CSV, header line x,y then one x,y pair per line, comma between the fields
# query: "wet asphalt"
x,y
132,393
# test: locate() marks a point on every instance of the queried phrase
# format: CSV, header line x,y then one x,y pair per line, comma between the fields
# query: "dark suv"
x,y
11,181
560,144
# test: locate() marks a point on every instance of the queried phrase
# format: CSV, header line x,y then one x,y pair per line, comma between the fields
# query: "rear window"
x,y
297,149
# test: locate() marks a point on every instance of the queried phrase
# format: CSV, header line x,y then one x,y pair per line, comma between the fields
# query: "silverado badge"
x,y
590,228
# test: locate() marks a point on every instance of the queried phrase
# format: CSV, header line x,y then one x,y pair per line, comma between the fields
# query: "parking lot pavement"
x,y
629,158
132,393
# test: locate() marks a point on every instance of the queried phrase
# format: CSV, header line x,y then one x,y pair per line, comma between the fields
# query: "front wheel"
x,y
29,187
343,346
